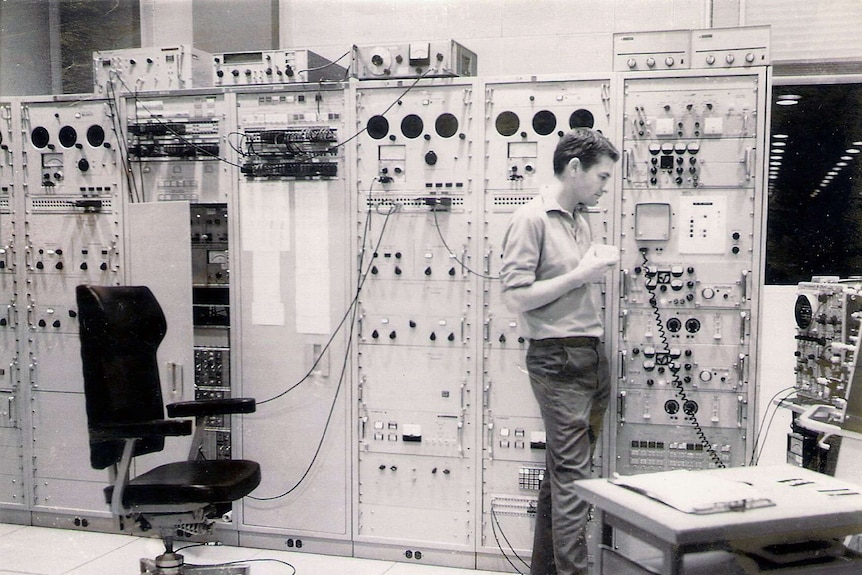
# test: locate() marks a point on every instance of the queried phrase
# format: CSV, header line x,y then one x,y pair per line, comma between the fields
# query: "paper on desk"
x,y
695,492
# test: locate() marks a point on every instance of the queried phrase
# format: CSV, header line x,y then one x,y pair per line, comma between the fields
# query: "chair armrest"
x,y
204,407
156,428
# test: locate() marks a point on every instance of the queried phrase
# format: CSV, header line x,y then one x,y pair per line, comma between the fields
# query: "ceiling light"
x,y
784,137
779,144
786,102
777,151
790,97
857,143
846,158
773,177
841,164
776,158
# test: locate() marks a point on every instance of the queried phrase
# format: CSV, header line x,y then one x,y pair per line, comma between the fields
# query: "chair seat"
x,y
203,481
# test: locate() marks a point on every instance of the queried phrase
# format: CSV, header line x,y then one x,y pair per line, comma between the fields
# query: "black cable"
x,y
244,561
674,370
764,431
495,524
166,125
347,313
326,65
122,144
452,254
395,101
351,312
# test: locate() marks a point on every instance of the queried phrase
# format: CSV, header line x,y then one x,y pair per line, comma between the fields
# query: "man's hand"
x,y
598,259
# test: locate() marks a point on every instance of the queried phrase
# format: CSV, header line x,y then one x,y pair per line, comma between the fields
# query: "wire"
x,y
690,415
351,312
495,525
122,144
325,65
452,254
347,313
763,433
383,113
261,560
139,104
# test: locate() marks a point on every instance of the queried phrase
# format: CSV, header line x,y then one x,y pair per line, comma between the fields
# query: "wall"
x,y
510,36
25,59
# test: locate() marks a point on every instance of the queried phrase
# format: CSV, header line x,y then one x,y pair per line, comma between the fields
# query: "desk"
x,y
804,509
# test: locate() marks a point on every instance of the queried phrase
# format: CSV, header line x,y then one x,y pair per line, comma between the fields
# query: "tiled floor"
x,y
43,551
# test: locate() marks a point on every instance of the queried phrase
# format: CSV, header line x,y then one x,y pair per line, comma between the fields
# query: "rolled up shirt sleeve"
x,y
522,247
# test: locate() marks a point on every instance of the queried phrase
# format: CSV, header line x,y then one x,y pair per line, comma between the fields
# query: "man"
x,y
549,267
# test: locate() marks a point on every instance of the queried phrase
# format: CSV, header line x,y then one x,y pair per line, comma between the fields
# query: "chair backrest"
x,y
121,328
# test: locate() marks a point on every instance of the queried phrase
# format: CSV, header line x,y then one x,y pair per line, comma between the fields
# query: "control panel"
x,y
133,70
523,124
435,59
67,197
723,48
690,231
274,67
177,148
827,337
415,236
290,266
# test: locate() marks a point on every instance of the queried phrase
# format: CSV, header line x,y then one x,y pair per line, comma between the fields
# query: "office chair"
x,y
120,331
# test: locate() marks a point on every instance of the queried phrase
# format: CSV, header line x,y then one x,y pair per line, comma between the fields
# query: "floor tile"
x,y
45,551
6,528
307,563
413,569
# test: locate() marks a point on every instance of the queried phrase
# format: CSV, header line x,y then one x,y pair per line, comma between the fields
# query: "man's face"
x,y
589,185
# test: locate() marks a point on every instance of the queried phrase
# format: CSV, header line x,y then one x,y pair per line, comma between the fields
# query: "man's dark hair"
x,y
585,144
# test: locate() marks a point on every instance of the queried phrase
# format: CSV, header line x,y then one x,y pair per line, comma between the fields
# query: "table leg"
x,y
672,560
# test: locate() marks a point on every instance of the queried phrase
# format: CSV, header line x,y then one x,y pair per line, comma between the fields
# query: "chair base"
x,y
172,564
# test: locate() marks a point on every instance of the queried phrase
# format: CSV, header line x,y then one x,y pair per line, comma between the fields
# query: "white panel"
x,y
806,30
160,258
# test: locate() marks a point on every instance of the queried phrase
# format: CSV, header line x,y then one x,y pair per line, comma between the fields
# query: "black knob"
x,y
83,164
431,158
